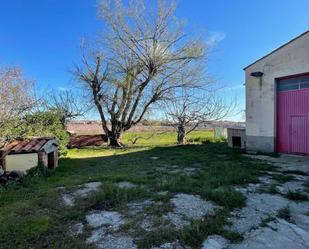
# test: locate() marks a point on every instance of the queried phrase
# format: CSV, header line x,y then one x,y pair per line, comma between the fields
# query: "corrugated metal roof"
x,y
26,146
86,140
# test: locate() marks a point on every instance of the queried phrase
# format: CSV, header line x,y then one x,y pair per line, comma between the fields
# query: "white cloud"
x,y
215,38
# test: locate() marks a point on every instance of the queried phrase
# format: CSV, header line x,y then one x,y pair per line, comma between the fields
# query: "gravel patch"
x,y
192,206
188,207
77,229
117,241
68,200
147,224
105,218
85,189
190,171
179,221
126,185
82,192
163,193
97,235
171,245
215,242
133,208
102,239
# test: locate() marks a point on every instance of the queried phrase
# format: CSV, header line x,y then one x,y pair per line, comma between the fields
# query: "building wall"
x,y
21,162
292,59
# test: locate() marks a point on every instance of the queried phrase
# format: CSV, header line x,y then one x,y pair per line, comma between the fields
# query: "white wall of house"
x,y
291,59
21,162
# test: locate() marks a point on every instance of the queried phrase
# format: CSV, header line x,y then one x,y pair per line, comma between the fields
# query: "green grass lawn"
x,y
32,215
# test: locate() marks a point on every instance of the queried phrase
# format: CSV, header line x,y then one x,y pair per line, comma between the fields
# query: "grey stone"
x,y
215,242
105,218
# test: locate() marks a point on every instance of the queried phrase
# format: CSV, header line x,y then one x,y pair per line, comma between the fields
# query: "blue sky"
x,y
43,36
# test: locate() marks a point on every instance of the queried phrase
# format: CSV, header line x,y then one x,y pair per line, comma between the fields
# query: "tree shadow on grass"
x,y
36,203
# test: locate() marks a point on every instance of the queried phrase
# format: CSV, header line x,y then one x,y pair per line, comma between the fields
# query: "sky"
x,y
43,36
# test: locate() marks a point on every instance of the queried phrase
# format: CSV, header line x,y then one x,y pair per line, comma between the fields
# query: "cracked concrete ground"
x,y
286,162
257,222
276,233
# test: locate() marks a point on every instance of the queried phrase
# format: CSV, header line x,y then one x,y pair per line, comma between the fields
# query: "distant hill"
x,y
90,127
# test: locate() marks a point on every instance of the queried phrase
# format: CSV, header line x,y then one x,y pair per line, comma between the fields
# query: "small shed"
x,y
22,155
236,137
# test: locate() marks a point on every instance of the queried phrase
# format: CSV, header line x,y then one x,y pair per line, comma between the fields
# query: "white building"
x,y
277,99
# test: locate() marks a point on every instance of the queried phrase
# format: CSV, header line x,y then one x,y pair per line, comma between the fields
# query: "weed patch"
x,y
296,196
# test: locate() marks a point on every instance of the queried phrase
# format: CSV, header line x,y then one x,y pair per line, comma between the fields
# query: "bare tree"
x,y
67,104
17,99
189,110
136,62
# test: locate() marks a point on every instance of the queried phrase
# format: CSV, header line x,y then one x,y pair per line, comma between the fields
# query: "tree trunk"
x,y
114,142
114,137
181,135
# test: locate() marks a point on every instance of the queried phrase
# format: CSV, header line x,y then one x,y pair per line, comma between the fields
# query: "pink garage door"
x,y
293,115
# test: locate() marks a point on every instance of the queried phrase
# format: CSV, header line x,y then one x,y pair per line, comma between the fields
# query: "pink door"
x,y
298,134
293,115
